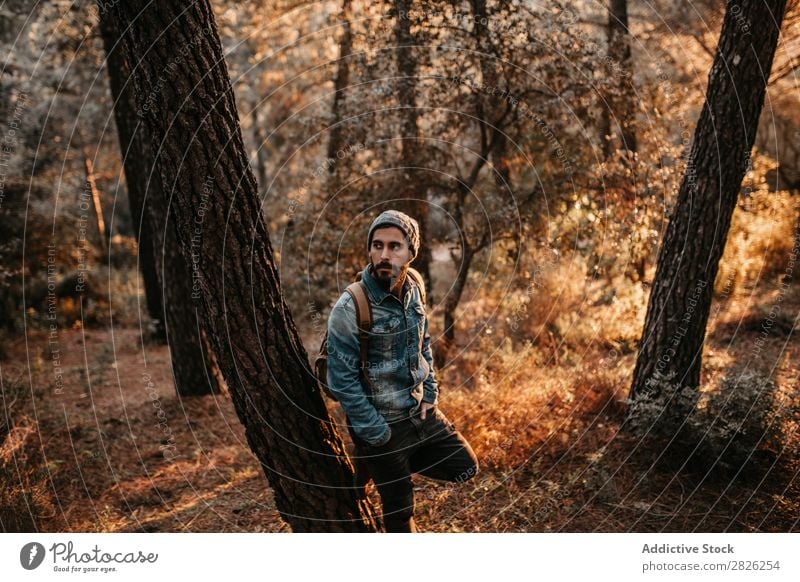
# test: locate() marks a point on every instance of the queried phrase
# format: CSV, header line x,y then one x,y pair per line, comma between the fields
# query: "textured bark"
x,y
260,139
413,198
189,109
192,356
167,276
621,103
136,172
678,308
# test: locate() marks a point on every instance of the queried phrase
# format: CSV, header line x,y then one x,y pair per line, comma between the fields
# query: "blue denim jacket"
x,y
399,361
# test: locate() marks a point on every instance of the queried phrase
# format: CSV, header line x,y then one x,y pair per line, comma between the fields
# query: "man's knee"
x,y
462,466
468,472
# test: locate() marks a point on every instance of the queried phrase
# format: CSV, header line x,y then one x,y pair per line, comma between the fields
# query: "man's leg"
x,y
390,469
444,453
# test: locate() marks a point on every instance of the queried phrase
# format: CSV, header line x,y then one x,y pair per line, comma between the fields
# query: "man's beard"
x,y
390,282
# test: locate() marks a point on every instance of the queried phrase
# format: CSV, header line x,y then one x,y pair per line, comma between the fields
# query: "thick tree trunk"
x,y
192,356
165,270
136,171
675,326
216,211
621,102
413,198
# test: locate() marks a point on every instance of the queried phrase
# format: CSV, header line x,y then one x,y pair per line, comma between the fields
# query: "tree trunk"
x,y
340,84
499,154
454,297
192,356
413,198
216,211
675,326
136,172
169,295
621,102
493,147
260,139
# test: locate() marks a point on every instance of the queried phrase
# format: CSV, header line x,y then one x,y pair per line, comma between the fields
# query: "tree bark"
x,y
260,139
189,109
136,172
677,311
168,281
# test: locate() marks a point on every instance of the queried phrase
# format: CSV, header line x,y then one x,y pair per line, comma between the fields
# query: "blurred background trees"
x,y
502,123
542,145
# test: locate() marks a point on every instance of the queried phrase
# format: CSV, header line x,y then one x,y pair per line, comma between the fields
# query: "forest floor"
x,y
91,445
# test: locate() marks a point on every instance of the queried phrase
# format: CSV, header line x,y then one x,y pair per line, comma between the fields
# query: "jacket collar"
x,y
377,293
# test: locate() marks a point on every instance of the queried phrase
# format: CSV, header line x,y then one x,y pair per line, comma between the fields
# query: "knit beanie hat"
x,y
404,222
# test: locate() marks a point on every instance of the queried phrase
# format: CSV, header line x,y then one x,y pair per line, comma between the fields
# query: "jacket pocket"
x,y
384,338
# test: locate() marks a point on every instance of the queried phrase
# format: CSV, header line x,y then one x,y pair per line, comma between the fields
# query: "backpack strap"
x,y
416,276
364,319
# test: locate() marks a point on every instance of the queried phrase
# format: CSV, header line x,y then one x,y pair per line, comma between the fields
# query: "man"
x,y
393,416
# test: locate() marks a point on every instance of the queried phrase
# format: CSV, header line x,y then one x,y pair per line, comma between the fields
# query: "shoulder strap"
x,y
416,276
364,319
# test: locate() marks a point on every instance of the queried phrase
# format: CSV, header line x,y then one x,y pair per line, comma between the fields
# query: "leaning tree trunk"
x,y
136,171
189,109
677,311
193,365
260,140
414,200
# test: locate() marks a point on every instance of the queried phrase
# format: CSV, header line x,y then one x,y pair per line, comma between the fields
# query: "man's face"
x,y
389,253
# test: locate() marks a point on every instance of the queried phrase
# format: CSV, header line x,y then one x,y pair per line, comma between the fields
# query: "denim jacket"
x,y
399,361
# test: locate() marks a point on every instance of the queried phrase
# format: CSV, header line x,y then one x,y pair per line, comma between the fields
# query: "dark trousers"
x,y
430,447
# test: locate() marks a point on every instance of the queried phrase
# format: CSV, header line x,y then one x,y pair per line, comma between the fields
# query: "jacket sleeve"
x,y
343,375
430,387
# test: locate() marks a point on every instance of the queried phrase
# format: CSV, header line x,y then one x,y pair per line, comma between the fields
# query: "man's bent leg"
x,y
444,454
